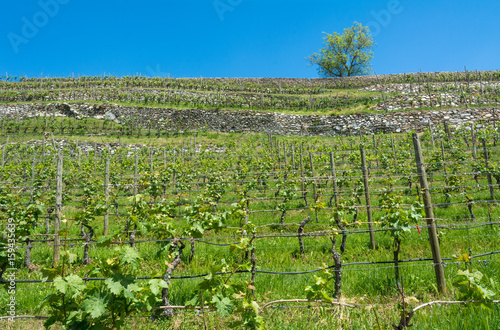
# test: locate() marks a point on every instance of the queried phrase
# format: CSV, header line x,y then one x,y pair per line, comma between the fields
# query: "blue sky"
x,y
239,38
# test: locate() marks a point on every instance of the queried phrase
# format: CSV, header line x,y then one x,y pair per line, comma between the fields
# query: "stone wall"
x,y
254,121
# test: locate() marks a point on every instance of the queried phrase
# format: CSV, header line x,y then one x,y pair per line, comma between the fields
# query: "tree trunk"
x,y
301,230
254,266
338,270
176,244
191,256
397,245
132,238
472,216
282,219
88,237
344,235
27,259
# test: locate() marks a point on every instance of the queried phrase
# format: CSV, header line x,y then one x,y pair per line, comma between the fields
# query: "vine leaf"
x,y
193,301
156,285
71,285
130,290
129,256
224,305
470,287
95,305
114,286
48,274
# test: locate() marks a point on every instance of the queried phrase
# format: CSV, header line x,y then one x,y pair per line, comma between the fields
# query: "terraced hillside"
x,y
148,212
343,106
302,96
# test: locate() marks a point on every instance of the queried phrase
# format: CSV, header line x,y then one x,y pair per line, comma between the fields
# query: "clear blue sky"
x,y
239,38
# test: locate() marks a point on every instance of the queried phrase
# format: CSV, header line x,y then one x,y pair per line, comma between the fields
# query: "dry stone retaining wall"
x,y
254,121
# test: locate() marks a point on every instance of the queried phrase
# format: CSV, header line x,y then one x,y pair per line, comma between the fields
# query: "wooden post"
x,y
57,221
429,213
432,134
444,160
312,176
284,155
367,197
334,179
174,180
490,182
106,196
473,137
136,165
3,156
447,129
95,157
33,176
279,155
151,159
293,157
302,175
375,147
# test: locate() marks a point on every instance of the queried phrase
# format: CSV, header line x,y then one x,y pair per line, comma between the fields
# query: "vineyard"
x,y
112,226
316,96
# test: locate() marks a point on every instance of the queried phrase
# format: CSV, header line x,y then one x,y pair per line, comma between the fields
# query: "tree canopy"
x,y
347,54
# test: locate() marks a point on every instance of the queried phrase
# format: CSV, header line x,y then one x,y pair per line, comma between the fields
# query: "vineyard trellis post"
x,y
95,156
447,129
278,143
429,214
444,160
57,220
473,138
490,182
106,196
315,197
367,197
432,134
284,155
304,193
151,159
392,147
136,161
334,179
33,177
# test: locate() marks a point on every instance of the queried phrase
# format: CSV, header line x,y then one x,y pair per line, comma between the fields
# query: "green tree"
x,y
347,54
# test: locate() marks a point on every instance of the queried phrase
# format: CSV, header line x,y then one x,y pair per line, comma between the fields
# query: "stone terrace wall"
x,y
254,121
